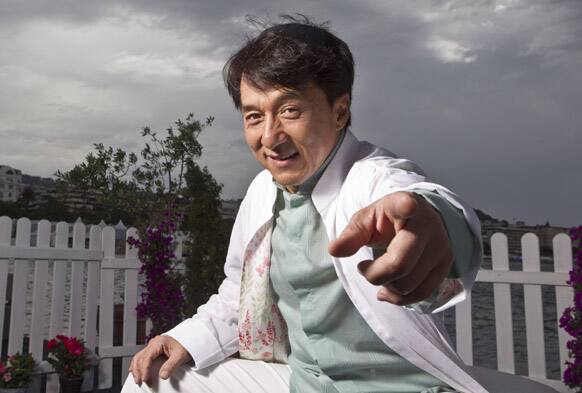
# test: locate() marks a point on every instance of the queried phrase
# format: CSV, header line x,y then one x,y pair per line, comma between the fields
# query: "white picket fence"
x,y
90,297
532,279
92,267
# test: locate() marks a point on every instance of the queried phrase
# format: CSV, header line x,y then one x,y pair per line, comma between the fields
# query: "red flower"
x,y
51,344
2,368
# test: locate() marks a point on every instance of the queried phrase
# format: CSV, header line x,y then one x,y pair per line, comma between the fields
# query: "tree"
x,y
103,176
26,199
208,237
166,178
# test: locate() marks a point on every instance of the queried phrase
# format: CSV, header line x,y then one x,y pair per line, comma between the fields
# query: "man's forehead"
x,y
251,92
266,88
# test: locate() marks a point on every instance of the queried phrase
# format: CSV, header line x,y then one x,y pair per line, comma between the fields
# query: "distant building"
x,y
72,200
514,233
11,186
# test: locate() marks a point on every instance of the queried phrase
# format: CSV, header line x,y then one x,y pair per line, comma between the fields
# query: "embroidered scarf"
x,y
262,331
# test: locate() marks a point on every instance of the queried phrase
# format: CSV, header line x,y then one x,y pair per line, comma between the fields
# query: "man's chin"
x,y
286,181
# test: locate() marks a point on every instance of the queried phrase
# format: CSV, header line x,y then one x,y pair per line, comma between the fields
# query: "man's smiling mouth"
x,y
283,157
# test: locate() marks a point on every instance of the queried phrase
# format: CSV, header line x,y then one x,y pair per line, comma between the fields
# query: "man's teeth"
x,y
285,157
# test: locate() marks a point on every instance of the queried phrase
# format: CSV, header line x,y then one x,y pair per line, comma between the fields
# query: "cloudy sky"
x,y
485,95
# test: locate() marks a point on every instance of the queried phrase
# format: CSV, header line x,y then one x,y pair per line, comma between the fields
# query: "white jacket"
x,y
359,174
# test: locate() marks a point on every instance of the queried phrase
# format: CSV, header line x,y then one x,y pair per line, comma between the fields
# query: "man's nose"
x,y
273,134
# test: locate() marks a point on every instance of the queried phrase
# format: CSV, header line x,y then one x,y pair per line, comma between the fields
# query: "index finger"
x,y
401,257
146,358
356,234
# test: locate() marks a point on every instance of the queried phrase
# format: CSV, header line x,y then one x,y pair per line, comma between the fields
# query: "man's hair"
x,y
291,55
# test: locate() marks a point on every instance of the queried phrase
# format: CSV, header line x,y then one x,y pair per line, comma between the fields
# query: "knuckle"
x,y
375,278
390,267
401,287
397,264
398,300
407,200
359,219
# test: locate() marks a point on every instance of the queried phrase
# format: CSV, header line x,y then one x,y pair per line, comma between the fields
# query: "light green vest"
x,y
332,347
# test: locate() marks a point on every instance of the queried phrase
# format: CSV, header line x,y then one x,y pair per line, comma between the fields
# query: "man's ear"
x,y
341,109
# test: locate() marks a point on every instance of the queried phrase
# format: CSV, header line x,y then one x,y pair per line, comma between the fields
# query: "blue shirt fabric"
x,y
332,347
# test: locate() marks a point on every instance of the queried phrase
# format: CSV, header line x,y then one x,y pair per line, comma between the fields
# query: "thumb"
x,y
355,235
400,207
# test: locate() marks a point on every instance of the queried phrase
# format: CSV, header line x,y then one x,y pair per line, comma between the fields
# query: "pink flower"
x,y
51,344
78,351
7,377
74,347
2,368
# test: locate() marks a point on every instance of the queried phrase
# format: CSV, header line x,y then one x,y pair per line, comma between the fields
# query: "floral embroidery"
x,y
262,329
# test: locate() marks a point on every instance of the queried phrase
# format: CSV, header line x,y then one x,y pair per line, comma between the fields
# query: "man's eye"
x,y
252,117
291,112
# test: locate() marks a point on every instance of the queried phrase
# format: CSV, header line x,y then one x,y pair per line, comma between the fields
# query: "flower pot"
x,y
13,390
71,385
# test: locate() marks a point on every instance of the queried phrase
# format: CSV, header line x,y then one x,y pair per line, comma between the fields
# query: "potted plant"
x,y
70,359
16,373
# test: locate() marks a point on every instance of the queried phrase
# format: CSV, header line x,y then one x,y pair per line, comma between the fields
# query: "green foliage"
x,y
137,190
208,237
103,177
17,373
128,189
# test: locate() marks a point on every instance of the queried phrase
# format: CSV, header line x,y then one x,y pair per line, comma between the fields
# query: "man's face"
x,y
291,132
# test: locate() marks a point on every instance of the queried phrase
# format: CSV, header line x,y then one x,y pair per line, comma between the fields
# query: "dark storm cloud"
x,y
485,95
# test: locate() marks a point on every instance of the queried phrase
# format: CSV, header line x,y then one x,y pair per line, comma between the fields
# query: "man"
x,y
306,304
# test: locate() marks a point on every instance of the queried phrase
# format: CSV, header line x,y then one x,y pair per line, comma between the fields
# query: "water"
x,y
483,329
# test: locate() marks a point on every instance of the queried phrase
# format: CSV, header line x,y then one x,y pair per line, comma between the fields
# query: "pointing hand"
x,y
417,252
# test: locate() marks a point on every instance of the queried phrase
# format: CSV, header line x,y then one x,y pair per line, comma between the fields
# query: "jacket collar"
x,y
329,184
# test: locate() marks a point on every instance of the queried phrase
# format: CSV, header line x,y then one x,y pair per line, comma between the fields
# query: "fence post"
x,y
502,304
39,299
76,289
534,316
18,305
464,329
106,308
58,295
130,302
5,235
91,302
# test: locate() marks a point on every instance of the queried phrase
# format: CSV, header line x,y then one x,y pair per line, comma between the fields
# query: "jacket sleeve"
x,y
211,334
388,175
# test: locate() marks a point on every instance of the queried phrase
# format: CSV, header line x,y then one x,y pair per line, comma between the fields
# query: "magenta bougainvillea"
x,y
162,299
571,320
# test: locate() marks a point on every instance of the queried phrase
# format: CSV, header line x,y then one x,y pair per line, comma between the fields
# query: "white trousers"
x,y
251,376
230,375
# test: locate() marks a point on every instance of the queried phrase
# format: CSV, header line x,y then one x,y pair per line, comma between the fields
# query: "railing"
x,y
89,255
532,279
86,266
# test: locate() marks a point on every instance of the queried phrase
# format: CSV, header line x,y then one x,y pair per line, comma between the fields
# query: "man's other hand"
x,y
158,346
417,254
